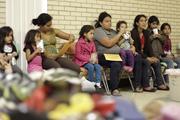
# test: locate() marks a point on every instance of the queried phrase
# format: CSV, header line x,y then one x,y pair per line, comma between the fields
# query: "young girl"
x,y
6,44
167,47
33,52
126,44
85,52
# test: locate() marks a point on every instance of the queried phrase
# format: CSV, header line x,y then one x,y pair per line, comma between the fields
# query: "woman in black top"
x,y
143,47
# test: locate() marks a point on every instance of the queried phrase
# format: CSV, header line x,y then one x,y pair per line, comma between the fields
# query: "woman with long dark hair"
x,y
52,57
143,47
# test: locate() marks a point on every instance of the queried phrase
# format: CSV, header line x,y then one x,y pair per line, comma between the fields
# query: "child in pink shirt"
x,y
85,54
33,52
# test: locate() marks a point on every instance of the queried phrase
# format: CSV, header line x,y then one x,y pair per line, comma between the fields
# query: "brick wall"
x,y
2,12
70,15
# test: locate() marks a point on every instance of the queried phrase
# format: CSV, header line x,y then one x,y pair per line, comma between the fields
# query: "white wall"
x,y
70,15
19,14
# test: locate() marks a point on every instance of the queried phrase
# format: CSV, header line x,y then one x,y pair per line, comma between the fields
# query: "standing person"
x,y
33,53
126,44
51,57
85,54
106,40
169,57
142,44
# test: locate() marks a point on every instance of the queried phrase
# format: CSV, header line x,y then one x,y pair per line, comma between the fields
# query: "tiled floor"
x,y
141,99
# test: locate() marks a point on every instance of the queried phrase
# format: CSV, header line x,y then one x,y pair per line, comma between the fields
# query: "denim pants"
x,y
170,63
158,74
141,68
93,69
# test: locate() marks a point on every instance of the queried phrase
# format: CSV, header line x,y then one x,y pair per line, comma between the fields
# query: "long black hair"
x,y
42,19
5,31
137,18
102,15
30,39
85,29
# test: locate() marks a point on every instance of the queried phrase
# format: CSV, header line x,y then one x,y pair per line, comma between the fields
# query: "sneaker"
x,y
149,89
98,85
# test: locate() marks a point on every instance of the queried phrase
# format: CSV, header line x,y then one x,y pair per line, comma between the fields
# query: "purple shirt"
x,y
83,51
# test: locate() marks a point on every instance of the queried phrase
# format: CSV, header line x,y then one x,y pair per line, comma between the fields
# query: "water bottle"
x,y
40,44
13,61
151,82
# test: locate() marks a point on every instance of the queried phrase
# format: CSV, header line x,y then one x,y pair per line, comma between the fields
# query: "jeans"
x,y
177,61
169,62
93,68
141,68
158,74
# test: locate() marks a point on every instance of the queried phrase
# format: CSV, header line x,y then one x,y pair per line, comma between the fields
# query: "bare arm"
x,y
121,41
30,56
64,35
111,42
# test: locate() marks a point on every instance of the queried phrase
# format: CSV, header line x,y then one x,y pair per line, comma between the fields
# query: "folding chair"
x,y
104,80
129,78
128,75
154,75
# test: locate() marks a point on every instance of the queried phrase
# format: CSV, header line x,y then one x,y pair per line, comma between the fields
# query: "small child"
x,y
126,44
33,51
6,44
86,56
169,58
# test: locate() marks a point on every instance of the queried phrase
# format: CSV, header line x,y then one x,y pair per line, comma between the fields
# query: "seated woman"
x,y
52,58
106,40
143,47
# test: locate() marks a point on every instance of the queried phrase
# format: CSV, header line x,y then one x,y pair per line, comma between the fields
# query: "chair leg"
x,y
153,75
105,83
164,81
132,86
129,77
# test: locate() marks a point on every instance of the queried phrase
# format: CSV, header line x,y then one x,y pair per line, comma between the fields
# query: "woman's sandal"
x,y
116,92
149,90
166,88
138,90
